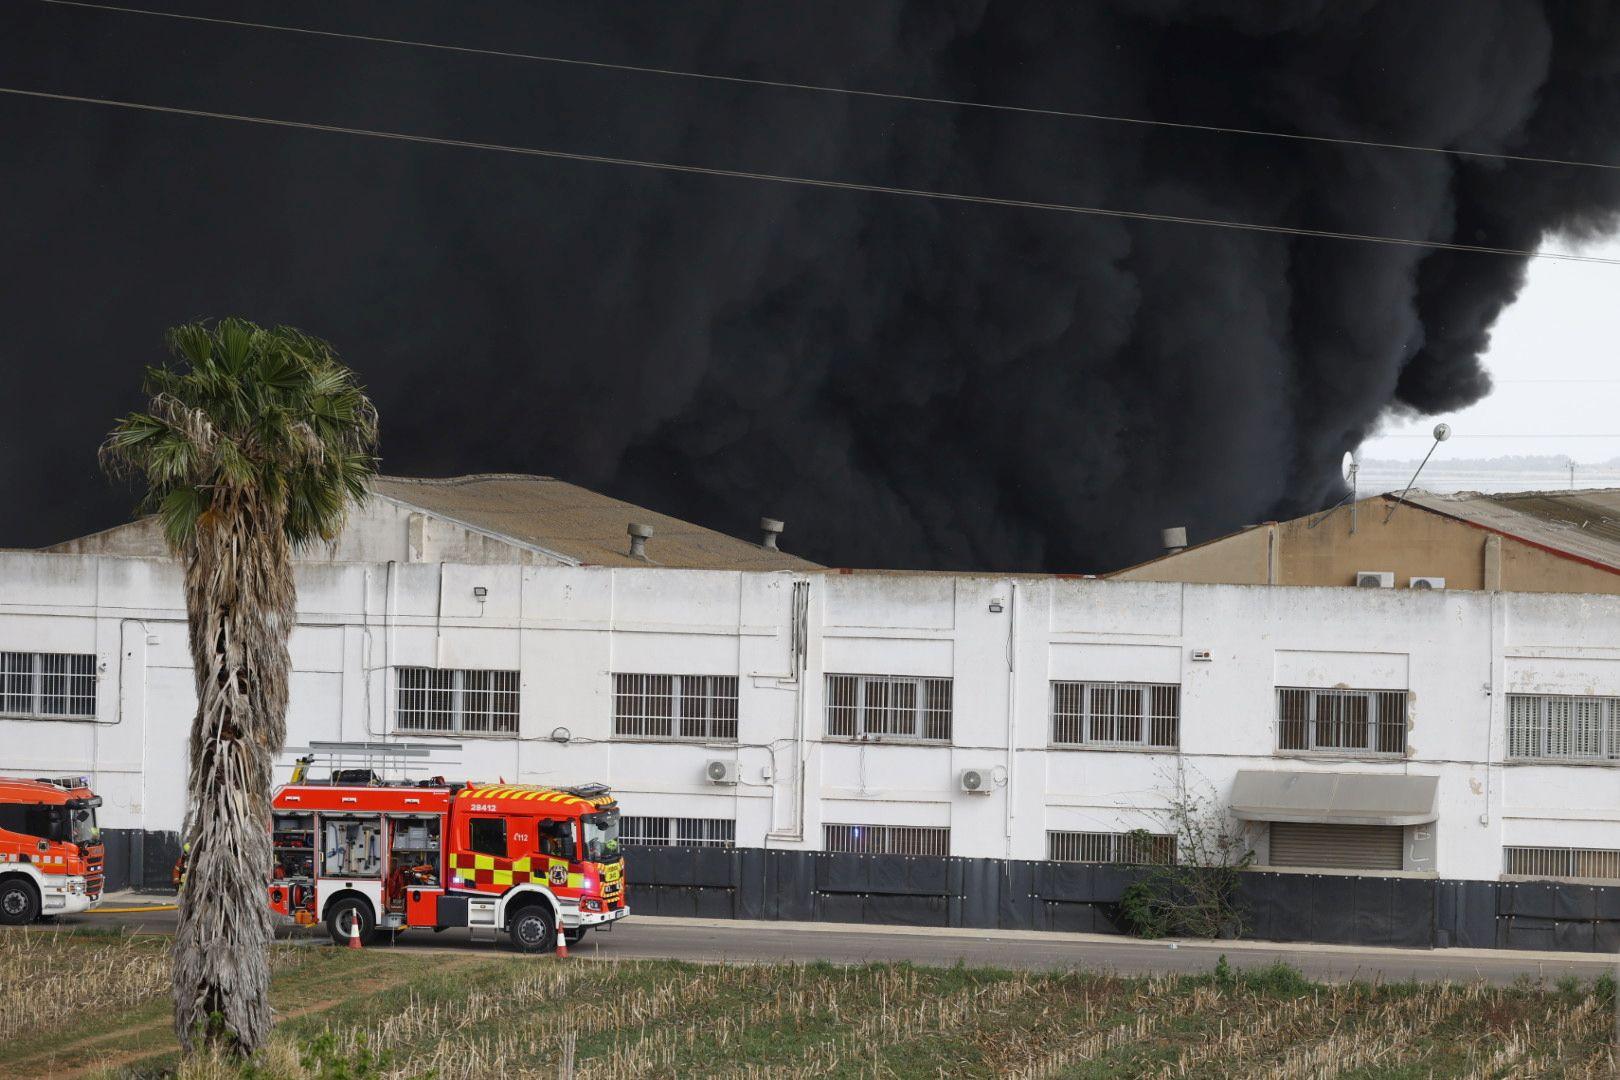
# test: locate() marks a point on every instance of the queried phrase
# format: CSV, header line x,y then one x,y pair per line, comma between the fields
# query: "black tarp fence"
x,y
925,890
140,859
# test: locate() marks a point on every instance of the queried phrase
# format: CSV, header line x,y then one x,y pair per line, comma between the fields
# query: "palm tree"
x,y
255,442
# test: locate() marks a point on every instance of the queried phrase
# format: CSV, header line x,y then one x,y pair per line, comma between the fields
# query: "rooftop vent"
x,y
1174,539
639,535
773,529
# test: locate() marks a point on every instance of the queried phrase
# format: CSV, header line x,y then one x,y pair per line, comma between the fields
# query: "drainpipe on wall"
x,y
390,621
1495,700
1012,710
798,666
438,624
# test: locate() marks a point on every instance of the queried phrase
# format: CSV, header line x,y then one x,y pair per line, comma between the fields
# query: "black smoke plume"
x,y
906,382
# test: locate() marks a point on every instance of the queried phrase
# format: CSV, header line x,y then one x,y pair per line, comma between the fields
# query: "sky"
x,y
1553,366
906,381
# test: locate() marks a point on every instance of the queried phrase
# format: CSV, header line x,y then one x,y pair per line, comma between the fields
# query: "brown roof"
x,y
1582,524
578,524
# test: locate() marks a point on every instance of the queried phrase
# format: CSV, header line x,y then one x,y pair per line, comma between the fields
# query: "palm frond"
x,y
269,414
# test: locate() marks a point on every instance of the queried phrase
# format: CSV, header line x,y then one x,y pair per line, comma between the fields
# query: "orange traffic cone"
x,y
354,931
562,944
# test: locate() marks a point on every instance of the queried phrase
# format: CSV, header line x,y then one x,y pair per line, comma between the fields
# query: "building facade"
x,y
1463,735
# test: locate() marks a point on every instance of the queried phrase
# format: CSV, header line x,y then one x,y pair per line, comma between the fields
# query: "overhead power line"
x,y
805,181
779,84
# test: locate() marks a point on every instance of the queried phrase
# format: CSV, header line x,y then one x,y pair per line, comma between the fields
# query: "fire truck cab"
x,y
393,855
51,855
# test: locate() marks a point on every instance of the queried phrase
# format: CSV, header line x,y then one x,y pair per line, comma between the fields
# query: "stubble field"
x,y
76,1004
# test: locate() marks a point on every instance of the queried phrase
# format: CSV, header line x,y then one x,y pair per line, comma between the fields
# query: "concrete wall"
x,y
567,630
1413,543
1241,558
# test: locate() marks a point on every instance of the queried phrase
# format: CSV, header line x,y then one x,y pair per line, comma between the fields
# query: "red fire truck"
x,y
50,849
392,855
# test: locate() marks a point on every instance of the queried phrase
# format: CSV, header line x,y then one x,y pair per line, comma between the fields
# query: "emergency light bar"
x,y
66,783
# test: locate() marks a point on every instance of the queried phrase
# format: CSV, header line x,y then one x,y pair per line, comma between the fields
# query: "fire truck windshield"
x,y
82,827
601,836
53,823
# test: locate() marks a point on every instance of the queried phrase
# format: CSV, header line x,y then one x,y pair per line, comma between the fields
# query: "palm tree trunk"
x,y
240,603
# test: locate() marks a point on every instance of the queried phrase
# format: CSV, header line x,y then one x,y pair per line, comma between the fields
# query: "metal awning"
x,y
1334,798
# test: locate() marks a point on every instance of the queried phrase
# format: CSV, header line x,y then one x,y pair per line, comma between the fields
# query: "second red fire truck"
x,y
356,851
51,854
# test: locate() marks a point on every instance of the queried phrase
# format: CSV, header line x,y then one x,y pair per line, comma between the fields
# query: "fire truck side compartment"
x,y
452,910
422,907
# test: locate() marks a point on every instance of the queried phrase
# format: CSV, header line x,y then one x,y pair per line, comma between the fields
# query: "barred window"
x,y
1600,864
699,707
455,700
887,839
1558,727
1135,848
1116,714
1341,721
888,706
685,832
48,685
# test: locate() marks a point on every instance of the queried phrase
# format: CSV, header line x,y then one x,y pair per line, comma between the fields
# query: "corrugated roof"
x,y
578,523
1584,524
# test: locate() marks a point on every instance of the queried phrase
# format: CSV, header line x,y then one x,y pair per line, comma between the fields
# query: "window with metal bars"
x,y
887,839
48,686
888,707
469,702
1133,848
1559,727
1599,864
1370,722
698,707
683,832
1116,715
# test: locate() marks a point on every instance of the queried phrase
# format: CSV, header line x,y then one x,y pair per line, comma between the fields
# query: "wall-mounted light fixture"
x,y
479,592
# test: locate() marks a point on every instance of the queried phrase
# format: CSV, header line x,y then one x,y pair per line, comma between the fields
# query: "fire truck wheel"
x,y
532,930
19,903
342,913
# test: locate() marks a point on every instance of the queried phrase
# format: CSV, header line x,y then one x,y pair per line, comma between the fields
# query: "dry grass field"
x,y
94,1005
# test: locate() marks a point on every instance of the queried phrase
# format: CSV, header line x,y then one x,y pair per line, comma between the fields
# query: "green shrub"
x,y
1278,978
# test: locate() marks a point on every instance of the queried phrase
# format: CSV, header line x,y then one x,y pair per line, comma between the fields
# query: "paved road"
x,y
707,940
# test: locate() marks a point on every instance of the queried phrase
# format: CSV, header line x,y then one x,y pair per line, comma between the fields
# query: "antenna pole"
x,y
1442,432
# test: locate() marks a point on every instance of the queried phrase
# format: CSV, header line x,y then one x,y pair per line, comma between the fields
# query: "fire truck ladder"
x,y
374,761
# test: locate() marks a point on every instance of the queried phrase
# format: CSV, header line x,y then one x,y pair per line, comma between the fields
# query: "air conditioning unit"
x,y
1427,583
975,781
721,772
1375,579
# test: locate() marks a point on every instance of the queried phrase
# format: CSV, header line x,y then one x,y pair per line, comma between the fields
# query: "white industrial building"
x,y
1458,734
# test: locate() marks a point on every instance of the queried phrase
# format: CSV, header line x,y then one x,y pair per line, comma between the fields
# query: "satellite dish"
x,y
1348,466
1442,432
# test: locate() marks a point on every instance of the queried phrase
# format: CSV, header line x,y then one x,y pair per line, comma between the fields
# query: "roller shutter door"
x,y
1337,847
